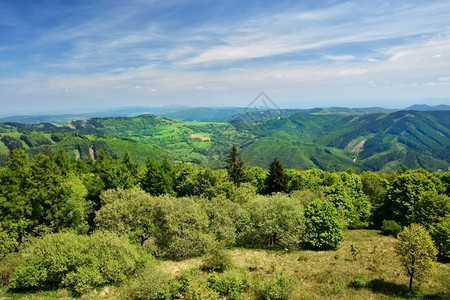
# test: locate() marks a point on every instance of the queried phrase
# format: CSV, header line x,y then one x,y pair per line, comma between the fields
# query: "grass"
x,y
321,274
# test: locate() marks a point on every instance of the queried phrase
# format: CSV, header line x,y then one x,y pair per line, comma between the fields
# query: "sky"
x,y
88,55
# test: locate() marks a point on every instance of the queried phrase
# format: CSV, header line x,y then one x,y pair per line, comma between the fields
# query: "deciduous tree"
x,y
416,252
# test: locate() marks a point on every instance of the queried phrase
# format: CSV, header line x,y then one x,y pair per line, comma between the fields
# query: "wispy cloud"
x,y
163,48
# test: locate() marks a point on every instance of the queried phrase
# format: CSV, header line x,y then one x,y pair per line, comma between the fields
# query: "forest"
x,y
330,140
116,229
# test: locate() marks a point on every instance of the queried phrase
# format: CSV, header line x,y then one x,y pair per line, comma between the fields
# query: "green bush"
x,y
199,291
324,229
231,283
271,221
280,286
358,282
216,259
7,267
390,227
151,283
75,261
7,243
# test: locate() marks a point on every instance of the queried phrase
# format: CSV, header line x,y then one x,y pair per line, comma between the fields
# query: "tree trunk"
x,y
411,280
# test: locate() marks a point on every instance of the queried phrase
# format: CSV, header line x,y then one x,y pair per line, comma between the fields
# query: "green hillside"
x,y
331,140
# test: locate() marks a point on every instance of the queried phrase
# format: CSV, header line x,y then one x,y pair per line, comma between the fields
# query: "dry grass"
x,y
321,274
327,274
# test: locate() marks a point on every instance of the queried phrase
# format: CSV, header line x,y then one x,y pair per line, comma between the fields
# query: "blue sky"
x,y
76,55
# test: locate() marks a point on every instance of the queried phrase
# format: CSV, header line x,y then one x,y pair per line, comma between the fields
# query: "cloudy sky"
x,y
83,54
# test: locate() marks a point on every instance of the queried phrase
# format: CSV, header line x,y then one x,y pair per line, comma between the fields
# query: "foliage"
x,y
180,227
277,180
8,243
404,193
8,266
390,227
440,233
235,166
150,283
158,178
269,221
431,208
416,252
358,282
323,227
216,259
75,261
199,291
280,286
231,283
125,211
223,215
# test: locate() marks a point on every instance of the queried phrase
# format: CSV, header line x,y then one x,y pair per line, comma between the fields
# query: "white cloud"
x,y
353,72
339,57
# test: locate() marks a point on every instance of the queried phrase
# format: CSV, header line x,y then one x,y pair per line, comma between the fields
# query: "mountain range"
x,y
326,138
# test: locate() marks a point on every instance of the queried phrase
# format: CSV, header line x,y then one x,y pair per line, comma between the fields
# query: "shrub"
x,y
323,225
216,259
7,267
7,243
180,227
276,220
151,283
279,287
75,261
231,283
390,227
358,282
199,291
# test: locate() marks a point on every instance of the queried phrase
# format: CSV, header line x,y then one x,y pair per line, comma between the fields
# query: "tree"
x,y
403,194
416,252
324,229
440,233
158,178
235,166
277,180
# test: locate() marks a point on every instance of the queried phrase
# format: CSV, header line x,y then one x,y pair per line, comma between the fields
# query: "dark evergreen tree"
x,y
277,180
158,178
235,166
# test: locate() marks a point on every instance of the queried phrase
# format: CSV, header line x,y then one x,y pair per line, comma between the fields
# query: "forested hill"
x,y
330,141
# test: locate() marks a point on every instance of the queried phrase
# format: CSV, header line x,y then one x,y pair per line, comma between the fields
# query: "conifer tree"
x,y
277,180
235,166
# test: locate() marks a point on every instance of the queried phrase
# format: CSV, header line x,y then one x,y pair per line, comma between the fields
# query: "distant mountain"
x,y
199,114
331,139
425,107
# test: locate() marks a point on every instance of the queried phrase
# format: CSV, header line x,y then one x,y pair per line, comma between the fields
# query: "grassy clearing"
x,y
321,274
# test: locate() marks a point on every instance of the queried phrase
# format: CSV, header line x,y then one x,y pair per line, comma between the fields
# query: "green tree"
x,y
416,252
431,208
323,227
277,180
14,183
158,178
440,233
235,166
403,194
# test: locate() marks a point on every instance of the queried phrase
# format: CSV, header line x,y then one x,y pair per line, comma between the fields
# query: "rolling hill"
x,y
330,139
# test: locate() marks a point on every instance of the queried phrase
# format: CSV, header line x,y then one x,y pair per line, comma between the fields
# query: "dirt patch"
x,y
359,147
195,136
91,153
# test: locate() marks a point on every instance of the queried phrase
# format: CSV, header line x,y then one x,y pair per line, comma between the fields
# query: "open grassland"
x,y
320,274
